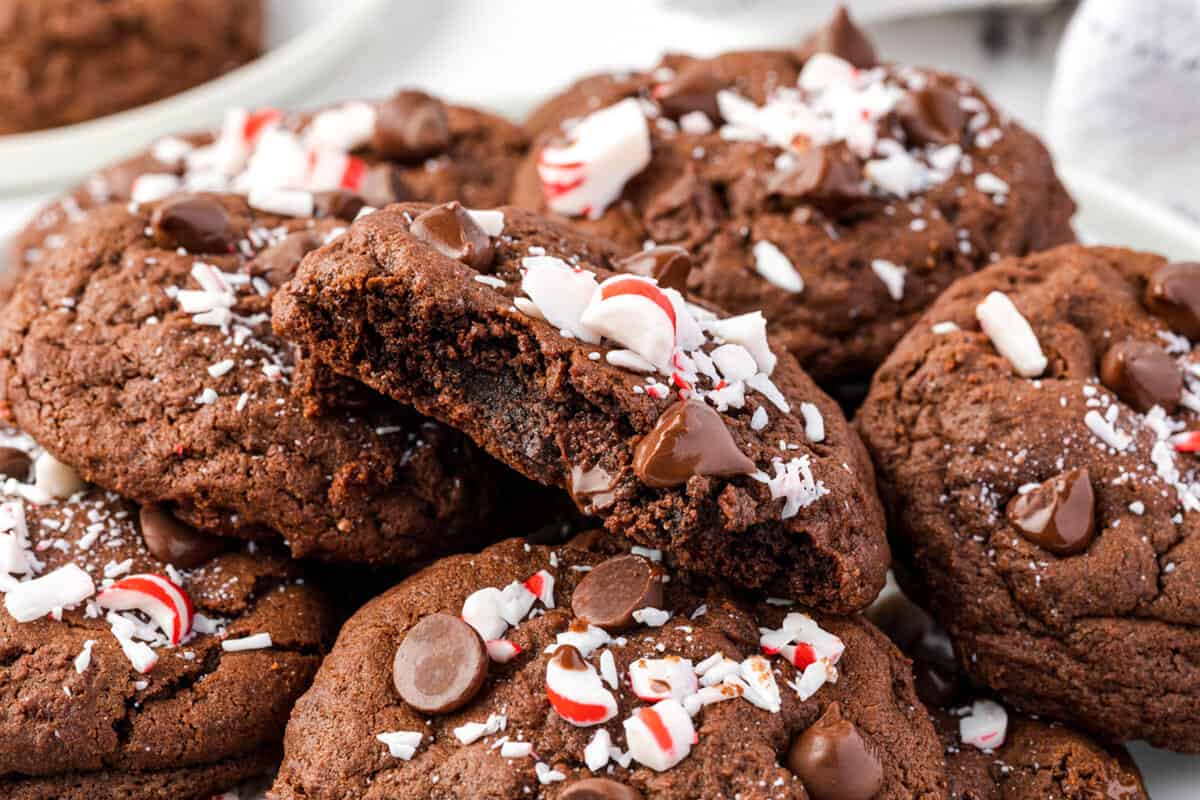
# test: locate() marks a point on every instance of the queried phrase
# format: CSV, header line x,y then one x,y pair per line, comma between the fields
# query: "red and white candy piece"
x,y
502,651
541,585
1186,442
560,292
633,311
655,679
750,331
801,628
758,682
156,596
1011,334
583,637
575,690
605,149
660,736
984,726
65,586
345,128
330,169
482,611
711,694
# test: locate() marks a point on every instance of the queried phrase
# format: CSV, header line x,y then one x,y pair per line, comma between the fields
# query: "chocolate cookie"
x,y
993,753
138,657
409,147
1034,445
838,194
526,671
66,61
680,427
141,352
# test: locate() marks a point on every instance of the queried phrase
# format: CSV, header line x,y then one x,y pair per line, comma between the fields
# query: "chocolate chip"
x,y
1173,293
1059,515
338,204
277,264
669,265
833,761
1143,375
931,116
609,594
829,177
174,542
15,463
599,789
842,38
451,231
690,438
383,185
197,223
441,664
411,125
694,88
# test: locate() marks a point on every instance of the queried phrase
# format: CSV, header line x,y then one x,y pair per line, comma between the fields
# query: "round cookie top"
x,y
141,352
1033,439
991,752
837,194
65,64
117,662
697,696
684,428
408,147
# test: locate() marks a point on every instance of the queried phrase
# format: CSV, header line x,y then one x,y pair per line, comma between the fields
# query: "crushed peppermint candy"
x,y
1011,334
401,744
64,587
891,276
984,726
257,641
772,264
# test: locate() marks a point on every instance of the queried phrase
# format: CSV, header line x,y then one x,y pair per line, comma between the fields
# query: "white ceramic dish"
x,y
306,39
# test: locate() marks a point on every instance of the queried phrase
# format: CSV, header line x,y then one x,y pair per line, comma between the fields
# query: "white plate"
x,y
306,40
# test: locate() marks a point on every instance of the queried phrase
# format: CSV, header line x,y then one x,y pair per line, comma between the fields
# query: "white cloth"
x,y
1125,100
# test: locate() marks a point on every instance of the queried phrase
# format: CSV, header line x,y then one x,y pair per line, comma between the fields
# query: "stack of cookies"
x,y
397,451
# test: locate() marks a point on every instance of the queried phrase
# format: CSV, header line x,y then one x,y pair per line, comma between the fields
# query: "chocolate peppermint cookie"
x,y
138,657
409,147
1035,436
141,352
837,193
67,61
567,674
684,429
991,752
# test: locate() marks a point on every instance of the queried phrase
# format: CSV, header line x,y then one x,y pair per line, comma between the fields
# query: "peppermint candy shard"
x,y
482,611
156,596
604,150
758,683
634,312
654,679
541,585
984,726
401,744
575,690
661,735
65,586
1011,334
708,695
502,651
560,293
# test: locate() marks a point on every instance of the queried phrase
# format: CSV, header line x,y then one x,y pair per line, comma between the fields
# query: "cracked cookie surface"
x,y
1042,499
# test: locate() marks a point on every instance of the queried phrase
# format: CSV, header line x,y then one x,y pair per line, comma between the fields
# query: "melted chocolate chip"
x,y
197,223
1173,294
174,542
609,594
451,231
568,658
668,264
1143,375
694,88
15,463
411,125
277,264
829,177
1059,515
338,204
383,185
599,789
441,664
931,116
842,38
690,438
833,761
